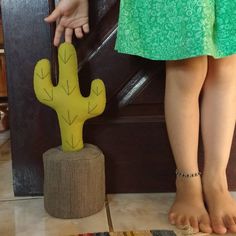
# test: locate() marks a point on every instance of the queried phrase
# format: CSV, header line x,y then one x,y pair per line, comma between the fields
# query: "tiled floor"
x,y
122,212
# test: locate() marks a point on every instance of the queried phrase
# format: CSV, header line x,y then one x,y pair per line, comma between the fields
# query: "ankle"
x,y
216,181
189,185
189,190
214,172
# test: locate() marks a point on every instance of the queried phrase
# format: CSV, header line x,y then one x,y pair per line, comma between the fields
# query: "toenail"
x,y
221,231
206,227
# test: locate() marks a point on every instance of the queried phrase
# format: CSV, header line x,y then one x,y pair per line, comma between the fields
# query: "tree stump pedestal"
x,y
74,182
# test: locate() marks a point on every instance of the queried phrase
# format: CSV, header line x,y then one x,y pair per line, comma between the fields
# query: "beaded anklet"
x,y
180,174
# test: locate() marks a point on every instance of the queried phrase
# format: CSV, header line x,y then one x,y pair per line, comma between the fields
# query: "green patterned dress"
x,y
176,29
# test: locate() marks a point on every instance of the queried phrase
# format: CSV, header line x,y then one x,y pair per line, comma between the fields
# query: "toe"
x,y
232,228
181,221
230,223
171,217
194,224
185,221
218,225
205,225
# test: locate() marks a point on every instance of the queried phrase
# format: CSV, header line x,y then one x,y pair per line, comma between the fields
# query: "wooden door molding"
x,y
26,40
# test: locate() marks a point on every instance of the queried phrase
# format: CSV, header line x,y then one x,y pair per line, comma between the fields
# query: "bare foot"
x,y
188,208
221,205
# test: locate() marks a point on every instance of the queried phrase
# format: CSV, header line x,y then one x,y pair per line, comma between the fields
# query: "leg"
x,y
184,80
218,112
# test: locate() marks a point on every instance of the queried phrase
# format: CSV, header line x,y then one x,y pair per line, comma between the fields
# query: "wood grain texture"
x,y
27,39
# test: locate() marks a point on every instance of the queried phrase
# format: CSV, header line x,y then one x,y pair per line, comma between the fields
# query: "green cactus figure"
x,y
71,107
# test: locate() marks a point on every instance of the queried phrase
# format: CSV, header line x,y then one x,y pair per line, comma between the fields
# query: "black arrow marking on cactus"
x,y
64,59
90,109
67,89
71,144
97,92
42,76
49,95
68,119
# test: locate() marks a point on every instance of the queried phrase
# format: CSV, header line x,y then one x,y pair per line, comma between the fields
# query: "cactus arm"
x,y
43,86
97,99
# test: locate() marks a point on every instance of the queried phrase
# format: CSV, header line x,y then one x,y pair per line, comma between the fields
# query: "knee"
x,y
186,76
222,71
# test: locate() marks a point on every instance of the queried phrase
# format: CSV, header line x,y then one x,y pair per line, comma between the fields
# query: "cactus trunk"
x,y
71,140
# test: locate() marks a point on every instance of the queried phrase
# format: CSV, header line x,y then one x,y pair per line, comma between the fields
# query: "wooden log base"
x,y
74,182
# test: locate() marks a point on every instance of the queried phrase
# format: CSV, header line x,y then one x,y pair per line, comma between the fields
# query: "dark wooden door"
x,y
131,132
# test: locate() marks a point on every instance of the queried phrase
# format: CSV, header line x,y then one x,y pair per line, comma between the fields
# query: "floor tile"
x,y
28,217
5,151
6,182
4,136
140,211
143,212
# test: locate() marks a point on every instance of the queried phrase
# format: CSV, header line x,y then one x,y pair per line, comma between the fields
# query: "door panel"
x,y
131,132
26,40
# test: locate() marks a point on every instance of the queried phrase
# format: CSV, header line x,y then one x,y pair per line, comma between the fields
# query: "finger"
x,y
53,16
59,31
78,32
66,22
74,23
86,28
68,35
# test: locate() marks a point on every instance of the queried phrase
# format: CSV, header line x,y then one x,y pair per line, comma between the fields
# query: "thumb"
x,y
53,16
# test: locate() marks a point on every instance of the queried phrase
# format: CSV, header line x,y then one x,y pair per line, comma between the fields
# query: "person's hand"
x,y
71,16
